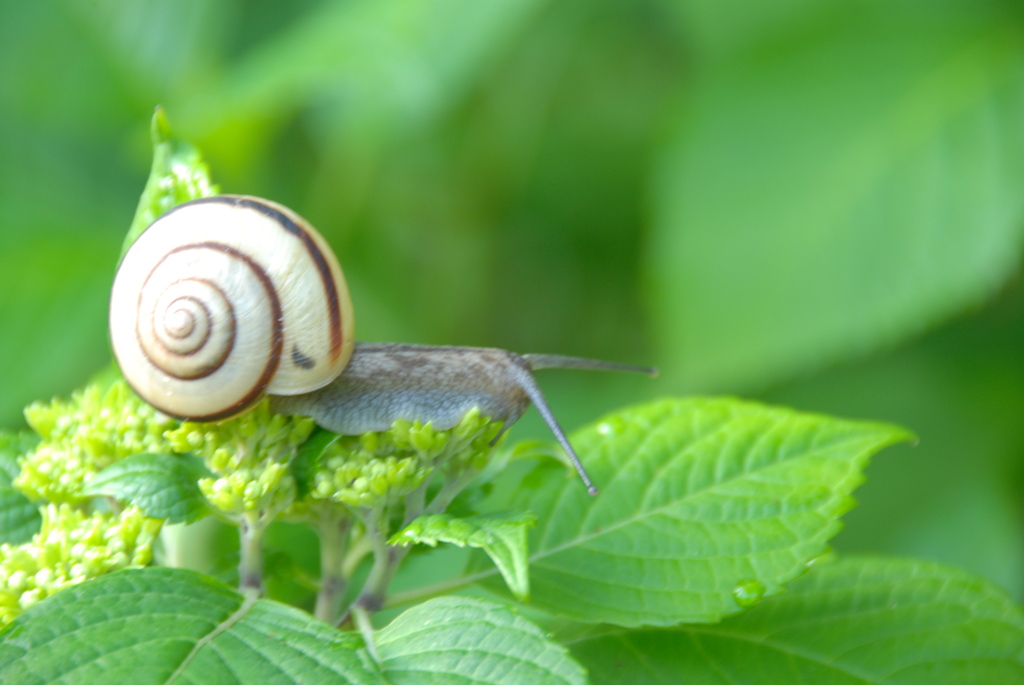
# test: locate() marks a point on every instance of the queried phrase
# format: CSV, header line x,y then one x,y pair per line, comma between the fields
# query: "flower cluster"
x,y
70,548
250,457
253,478
379,468
98,426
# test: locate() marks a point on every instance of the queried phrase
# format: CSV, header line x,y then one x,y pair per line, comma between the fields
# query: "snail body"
x,y
384,382
225,299
388,381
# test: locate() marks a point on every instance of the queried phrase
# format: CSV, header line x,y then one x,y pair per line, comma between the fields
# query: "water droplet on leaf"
x,y
747,593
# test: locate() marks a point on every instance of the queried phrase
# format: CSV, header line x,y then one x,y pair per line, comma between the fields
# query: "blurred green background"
x,y
812,202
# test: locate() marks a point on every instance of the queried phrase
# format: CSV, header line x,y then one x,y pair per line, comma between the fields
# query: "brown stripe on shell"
x,y
217,364
323,268
277,339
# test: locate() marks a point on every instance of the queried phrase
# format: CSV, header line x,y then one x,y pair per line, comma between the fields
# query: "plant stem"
x,y
421,593
450,490
385,562
415,502
357,551
387,558
189,545
250,565
334,525
365,626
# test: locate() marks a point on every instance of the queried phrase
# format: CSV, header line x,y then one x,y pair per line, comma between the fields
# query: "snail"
x,y
226,299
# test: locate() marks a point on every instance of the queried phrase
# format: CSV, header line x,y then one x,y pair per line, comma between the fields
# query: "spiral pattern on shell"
x,y
224,299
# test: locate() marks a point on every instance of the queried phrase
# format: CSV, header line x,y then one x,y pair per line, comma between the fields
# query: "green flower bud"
x,y
98,426
380,468
71,547
249,456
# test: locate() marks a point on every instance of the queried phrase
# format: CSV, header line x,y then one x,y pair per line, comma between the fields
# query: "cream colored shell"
x,y
224,299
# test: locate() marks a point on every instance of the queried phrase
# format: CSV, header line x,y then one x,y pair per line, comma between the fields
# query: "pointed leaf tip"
x,y
696,494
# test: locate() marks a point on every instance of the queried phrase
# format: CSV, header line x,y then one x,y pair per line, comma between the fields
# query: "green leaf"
x,y
465,640
954,498
856,622
706,506
178,175
502,536
159,54
169,625
54,334
19,517
717,28
164,486
307,459
364,52
848,184
12,446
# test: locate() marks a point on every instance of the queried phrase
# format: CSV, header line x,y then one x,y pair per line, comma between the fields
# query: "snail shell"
x,y
224,299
